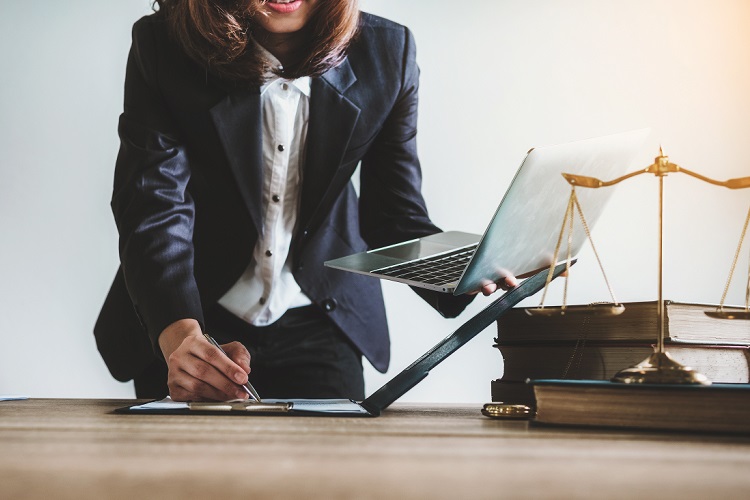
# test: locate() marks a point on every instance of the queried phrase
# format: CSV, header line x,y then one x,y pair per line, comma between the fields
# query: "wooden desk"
x,y
78,449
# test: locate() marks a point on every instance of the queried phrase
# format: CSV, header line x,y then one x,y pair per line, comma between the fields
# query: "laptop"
x,y
521,237
374,405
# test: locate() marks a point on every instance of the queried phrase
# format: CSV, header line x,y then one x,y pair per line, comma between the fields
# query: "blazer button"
x,y
329,305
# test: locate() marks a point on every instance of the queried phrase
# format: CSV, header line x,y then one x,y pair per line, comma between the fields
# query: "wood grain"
x,y
79,449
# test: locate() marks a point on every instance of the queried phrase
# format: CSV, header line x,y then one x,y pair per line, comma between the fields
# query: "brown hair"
x,y
215,33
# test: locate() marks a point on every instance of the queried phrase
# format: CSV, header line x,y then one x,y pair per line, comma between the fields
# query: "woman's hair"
x,y
216,34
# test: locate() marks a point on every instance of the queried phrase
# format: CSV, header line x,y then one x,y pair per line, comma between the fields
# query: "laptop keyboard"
x,y
438,270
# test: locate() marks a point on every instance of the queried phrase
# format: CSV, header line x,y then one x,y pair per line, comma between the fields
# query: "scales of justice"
x,y
659,367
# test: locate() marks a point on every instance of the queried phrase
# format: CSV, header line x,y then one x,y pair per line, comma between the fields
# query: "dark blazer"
x,y
188,179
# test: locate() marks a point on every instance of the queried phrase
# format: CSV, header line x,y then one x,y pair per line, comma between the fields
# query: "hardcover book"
x,y
601,361
683,323
678,407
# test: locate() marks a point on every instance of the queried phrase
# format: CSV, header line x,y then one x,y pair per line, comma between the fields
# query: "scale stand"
x,y
659,368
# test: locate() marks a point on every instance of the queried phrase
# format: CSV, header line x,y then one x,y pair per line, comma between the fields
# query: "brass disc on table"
x,y
506,411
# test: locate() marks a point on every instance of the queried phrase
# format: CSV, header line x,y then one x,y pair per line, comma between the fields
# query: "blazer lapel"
x,y
332,120
238,121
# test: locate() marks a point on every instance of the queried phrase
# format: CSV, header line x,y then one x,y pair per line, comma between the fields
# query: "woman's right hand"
x,y
199,371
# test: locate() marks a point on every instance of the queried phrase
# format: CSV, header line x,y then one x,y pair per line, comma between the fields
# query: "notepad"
x,y
268,405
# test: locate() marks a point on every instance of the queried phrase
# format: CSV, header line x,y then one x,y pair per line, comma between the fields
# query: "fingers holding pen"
x,y
223,362
198,370
183,387
239,354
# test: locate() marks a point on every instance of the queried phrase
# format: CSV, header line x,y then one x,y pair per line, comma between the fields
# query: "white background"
x,y
498,77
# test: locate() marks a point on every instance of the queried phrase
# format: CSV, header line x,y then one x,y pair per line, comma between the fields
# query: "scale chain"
x,y
568,220
734,264
593,247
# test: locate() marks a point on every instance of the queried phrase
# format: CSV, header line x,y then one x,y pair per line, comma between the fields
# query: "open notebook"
x,y
383,397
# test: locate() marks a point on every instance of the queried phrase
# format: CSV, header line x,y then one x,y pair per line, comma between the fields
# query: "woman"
x,y
242,126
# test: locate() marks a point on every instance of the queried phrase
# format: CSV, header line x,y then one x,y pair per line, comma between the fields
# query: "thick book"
x,y
602,360
638,323
676,407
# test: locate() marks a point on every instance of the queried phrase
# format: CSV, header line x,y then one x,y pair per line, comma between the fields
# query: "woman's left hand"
x,y
504,284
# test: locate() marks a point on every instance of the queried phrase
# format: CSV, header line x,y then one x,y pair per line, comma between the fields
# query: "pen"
x,y
249,389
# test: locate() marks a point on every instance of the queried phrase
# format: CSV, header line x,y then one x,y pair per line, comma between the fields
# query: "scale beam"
x,y
659,367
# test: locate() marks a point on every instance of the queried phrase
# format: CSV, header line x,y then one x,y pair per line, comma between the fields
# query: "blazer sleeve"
x,y
392,207
152,207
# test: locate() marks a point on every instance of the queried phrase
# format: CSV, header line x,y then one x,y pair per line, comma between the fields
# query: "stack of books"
x,y
580,346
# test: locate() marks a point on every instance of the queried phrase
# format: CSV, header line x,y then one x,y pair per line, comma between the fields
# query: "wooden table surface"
x,y
79,449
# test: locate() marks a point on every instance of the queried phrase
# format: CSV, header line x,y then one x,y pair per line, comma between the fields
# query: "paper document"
x,y
164,404
327,405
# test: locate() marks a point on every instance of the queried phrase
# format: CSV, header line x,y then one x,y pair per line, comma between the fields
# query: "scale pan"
x,y
728,314
598,309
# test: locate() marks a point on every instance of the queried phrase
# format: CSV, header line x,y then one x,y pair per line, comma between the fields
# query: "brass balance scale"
x,y
659,367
